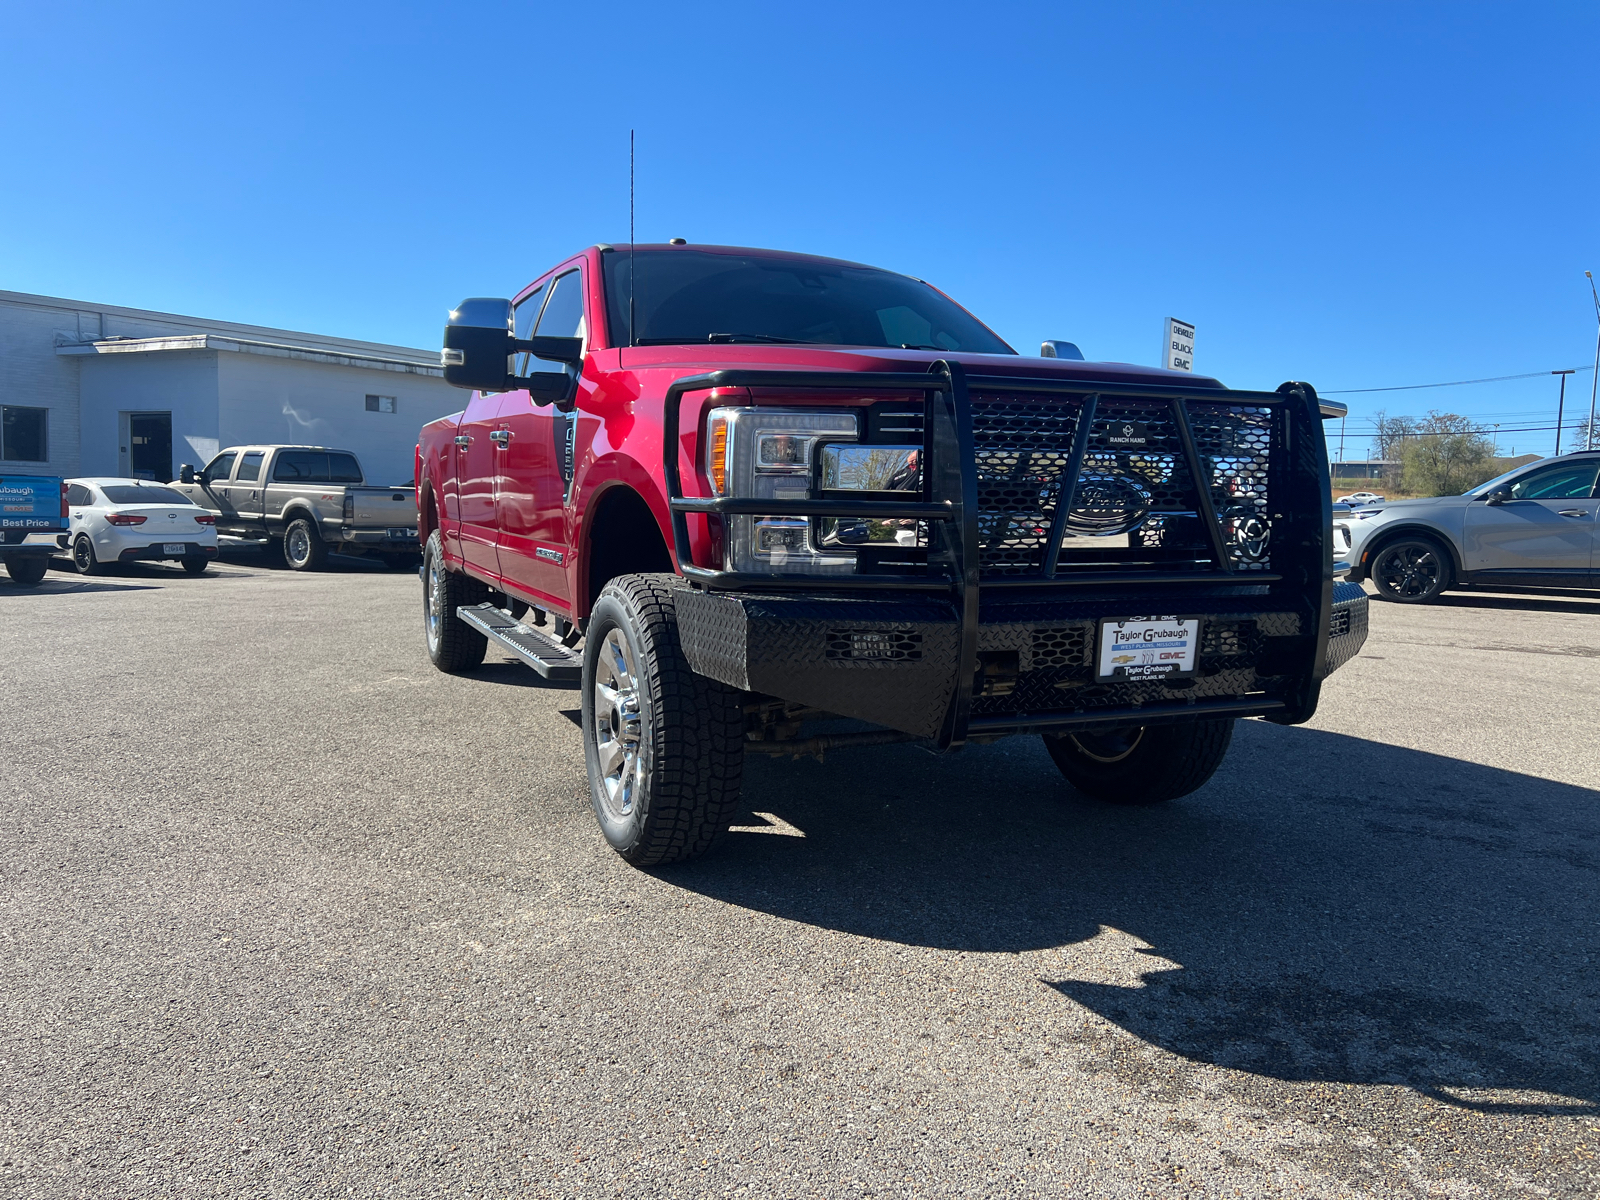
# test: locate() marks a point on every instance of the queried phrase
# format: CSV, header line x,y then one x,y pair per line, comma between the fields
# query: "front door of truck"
x,y
249,486
477,475
538,460
1547,526
215,490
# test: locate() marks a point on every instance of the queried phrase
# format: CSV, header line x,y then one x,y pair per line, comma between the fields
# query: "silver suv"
x,y
1536,525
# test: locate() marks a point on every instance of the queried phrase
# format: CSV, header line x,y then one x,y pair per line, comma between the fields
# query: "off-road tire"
x,y
195,565
303,547
1147,764
453,645
688,761
84,561
26,570
1412,570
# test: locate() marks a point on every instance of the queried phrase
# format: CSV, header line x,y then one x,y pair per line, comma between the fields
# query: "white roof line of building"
x,y
212,341
231,329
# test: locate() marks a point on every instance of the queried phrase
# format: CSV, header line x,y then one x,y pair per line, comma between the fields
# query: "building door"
x,y
147,446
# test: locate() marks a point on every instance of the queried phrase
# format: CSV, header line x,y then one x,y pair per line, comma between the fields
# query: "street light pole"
x,y
1588,441
1561,404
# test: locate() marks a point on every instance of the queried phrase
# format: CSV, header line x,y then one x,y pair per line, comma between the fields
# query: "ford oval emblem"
x,y
1106,503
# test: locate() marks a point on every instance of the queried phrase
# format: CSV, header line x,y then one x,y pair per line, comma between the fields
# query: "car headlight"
x,y
798,454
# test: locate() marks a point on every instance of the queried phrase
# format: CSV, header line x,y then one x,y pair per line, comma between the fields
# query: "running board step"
x,y
540,651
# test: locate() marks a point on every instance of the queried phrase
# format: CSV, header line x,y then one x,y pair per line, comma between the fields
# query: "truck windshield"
x,y
681,297
128,493
315,466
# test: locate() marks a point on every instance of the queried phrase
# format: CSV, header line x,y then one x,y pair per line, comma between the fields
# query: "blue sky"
x,y
1356,195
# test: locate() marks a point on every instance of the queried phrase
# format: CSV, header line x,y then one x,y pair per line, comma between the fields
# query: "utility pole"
x,y
1588,442
1561,404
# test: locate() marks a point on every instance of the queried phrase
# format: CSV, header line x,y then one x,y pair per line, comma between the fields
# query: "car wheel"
x,y
453,645
1142,764
1413,570
26,570
196,566
303,547
664,746
83,557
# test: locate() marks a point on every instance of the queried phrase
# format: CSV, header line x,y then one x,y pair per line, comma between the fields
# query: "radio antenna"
x,y
632,333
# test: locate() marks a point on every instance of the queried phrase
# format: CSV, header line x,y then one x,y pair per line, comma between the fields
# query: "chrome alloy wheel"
x,y
433,613
618,725
1408,570
297,545
1113,745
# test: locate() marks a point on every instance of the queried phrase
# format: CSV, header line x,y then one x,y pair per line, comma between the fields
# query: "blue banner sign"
x,y
31,502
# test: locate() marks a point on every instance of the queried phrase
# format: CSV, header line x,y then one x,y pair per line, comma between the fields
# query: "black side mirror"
x,y
1498,496
186,473
478,345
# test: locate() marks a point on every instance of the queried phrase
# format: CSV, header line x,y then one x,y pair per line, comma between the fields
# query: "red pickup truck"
x,y
790,503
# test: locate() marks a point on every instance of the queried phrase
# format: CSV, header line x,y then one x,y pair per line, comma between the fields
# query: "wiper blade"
x,y
759,337
919,346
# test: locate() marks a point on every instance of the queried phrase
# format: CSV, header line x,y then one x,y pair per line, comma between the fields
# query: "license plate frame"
x,y
174,548
1150,648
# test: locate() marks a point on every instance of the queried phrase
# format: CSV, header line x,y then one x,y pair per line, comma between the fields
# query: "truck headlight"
x,y
771,452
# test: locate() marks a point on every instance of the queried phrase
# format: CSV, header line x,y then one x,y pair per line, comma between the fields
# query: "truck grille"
x,y
1136,503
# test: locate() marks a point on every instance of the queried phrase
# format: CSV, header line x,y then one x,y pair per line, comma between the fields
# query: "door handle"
x,y
463,440
501,436
1574,512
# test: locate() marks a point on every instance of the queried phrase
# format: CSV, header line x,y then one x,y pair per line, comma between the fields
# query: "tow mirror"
x,y
186,473
1498,496
479,342
1055,349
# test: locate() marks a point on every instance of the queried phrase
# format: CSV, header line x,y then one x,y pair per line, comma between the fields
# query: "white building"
x,y
90,389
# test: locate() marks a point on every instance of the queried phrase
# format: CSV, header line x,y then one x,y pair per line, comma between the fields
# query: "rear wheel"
x,y
453,645
664,746
1142,764
83,556
1414,570
303,547
26,570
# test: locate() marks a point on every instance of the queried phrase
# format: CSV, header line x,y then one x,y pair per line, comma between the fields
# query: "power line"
x,y
1412,387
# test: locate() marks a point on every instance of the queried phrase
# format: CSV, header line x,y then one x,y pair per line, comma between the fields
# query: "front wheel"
x,y
303,547
1411,571
1142,764
664,746
83,556
453,645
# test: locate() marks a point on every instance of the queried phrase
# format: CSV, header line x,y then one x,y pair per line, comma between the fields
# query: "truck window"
x,y
220,467
563,312
315,466
250,467
526,315
687,296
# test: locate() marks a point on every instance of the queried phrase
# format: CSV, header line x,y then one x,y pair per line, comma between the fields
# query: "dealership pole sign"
x,y
1177,347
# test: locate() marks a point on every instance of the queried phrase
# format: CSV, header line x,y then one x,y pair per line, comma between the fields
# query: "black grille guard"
x,y
1302,562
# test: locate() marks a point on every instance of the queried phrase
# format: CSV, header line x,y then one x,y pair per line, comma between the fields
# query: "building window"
x,y
24,434
380,403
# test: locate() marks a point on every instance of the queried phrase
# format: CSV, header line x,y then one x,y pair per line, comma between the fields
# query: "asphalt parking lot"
x,y
285,912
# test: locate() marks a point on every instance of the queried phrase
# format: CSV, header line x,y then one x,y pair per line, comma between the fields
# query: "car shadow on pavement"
x,y
1525,601
1327,908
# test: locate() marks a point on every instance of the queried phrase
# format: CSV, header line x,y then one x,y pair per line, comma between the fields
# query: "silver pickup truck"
x,y
305,501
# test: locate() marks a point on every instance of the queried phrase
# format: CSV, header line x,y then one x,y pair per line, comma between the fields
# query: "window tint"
x,y
77,495
1569,481
128,493
563,314
315,466
686,296
220,468
23,434
523,318
250,467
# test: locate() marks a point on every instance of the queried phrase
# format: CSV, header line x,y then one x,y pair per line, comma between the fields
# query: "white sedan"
x,y
1356,499
134,520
